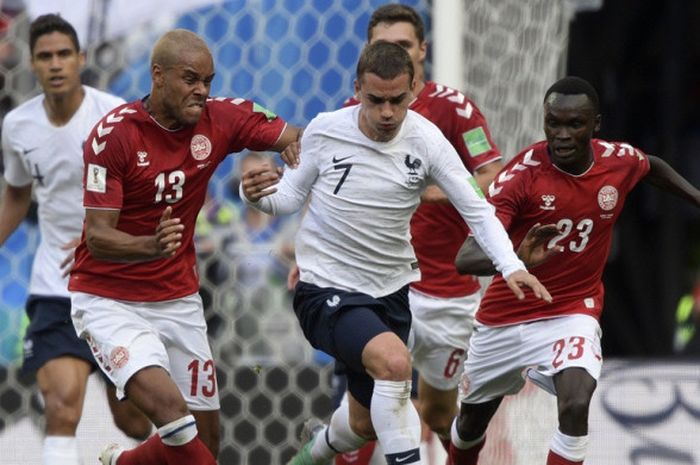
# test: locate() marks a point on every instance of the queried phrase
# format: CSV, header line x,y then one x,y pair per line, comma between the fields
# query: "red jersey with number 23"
x,y
136,166
529,190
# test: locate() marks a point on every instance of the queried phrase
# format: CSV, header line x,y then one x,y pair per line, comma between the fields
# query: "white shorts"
x,y
500,356
126,337
441,329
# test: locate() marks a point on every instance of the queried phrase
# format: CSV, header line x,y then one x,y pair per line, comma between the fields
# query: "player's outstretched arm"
x,y
13,208
106,242
288,145
521,278
258,182
533,251
663,176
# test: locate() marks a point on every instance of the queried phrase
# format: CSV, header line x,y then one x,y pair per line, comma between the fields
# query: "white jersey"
x,y
355,235
35,151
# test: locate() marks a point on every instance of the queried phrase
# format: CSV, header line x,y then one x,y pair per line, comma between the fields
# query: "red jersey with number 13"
x,y
529,190
136,166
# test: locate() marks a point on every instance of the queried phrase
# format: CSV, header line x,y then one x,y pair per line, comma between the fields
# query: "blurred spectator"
x,y
687,337
246,254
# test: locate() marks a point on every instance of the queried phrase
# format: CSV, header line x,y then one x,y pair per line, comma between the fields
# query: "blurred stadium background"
x,y
297,58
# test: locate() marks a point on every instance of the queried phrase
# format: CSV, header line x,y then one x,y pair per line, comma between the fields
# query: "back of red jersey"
x,y
134,165
530,190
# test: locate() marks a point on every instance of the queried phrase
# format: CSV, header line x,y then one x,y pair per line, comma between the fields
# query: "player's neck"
x,y
152,106
420,84
61,108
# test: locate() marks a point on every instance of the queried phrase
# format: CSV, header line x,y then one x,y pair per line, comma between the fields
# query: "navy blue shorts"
x,y
51,334
341,324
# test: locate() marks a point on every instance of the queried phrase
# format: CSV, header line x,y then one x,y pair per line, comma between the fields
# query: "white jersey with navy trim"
x,y
355,235
51,157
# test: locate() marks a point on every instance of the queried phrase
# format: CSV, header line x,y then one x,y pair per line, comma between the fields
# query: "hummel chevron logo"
x,y
506,176
114,119
97,148
338,160
102,131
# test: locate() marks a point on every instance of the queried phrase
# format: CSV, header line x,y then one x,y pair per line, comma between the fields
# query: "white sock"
x,y
396,421
570,447
178,432
337,437
60,450
461,443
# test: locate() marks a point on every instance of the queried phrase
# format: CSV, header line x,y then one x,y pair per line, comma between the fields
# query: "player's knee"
x,y
394,366
438,419
363,427
138,428
574,409
63,413
470,427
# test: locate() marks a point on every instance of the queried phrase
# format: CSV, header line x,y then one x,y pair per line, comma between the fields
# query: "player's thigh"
x,y
442,328
184,331
557,344
51,334
63,382
122,340
494,366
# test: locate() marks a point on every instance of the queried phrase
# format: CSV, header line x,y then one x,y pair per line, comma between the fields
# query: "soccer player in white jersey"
x,y
42,143
366,167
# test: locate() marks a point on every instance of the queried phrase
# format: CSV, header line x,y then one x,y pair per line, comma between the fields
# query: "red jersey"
x,y
437,230
530,190
134,165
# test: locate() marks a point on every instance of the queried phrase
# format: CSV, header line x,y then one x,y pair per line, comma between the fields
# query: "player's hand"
x,y
293,277
67,263
290,154
257,182
522,278
168,234
534,250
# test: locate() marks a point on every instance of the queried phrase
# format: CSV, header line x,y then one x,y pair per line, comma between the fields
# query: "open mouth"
x,y
564,151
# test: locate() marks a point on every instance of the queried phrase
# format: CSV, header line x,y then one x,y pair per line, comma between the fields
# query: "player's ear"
x,y
156,74
81,59
423,48
596,127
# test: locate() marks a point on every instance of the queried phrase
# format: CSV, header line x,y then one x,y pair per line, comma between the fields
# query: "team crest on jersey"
x,y
142,156
607,197
413,166
200,147
548,202
119,356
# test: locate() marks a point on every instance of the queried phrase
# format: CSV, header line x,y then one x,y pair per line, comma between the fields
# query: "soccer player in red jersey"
x,y
134,284
579,184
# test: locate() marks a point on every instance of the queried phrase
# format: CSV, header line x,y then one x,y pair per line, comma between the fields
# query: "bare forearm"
x,y
13,209
663,176
472,260
114,245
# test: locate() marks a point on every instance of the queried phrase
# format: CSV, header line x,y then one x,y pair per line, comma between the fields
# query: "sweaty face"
x,y
57,64
569,124
384,103
403,34
184,88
